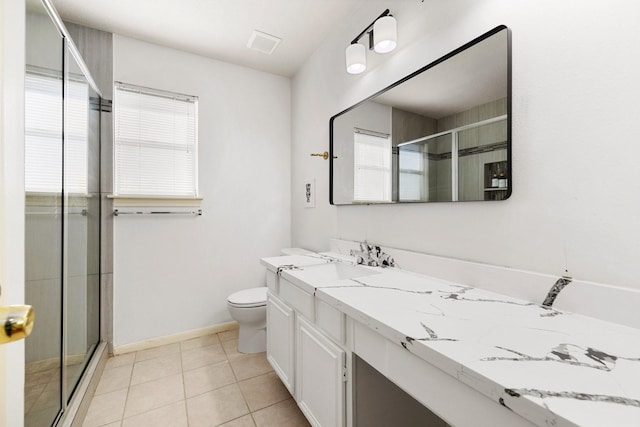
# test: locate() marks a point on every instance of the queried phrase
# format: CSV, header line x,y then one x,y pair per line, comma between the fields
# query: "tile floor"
x,y
195,383
42,390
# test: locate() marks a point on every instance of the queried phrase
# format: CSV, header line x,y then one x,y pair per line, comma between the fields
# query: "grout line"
x,y
126,398
253,419
184,385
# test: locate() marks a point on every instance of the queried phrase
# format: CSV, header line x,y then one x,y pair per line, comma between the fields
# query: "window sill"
x,y
154,201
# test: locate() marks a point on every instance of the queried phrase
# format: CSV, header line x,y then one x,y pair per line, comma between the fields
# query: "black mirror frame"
x,y
419,71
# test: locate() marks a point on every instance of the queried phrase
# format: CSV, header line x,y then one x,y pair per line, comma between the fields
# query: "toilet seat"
x,y
254,297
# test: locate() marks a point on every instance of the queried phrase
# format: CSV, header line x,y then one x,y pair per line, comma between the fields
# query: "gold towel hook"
x,y
324,155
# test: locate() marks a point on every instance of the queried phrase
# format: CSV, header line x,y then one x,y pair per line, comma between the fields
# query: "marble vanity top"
x,y
551,367
285,262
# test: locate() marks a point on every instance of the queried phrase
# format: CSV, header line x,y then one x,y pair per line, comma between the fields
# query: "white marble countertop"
x,y
551,367
276,264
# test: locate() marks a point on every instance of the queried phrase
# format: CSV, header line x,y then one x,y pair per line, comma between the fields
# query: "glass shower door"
x,y
43,215
82,223
62,224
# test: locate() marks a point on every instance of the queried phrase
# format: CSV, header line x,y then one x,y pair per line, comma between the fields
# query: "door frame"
x,y
12,240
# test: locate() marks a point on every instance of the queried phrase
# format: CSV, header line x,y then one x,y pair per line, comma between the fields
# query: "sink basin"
x,y
331,272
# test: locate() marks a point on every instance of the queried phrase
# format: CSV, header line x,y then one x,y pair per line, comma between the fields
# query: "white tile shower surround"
x,y
550,366
195,383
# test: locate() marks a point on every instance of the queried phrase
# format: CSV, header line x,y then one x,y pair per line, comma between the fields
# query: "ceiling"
x,y
472,77
218,29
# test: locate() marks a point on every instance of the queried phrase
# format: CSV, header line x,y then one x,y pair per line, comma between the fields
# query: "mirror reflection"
x,y
441,134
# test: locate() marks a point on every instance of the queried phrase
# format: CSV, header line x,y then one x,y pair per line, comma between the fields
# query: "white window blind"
x,y
412,174
76,131
43,134
155,147
372,167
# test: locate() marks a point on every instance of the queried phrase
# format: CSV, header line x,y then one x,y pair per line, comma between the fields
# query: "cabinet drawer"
x,y
272,282
296,297
330,320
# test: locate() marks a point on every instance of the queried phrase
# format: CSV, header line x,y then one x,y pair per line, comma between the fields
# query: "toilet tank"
x,y
294,251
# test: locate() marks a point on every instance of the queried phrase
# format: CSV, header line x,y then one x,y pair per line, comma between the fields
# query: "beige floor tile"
x,y
216,407
106,408
198,357
114,379
43,417
173,415
31,395
228,335
153,369
263,391
42,377
116,424
50,397
231,348
246,421
41,365
204,341
162,350
154,394
73,373
121,360
250,366
207,378
283,414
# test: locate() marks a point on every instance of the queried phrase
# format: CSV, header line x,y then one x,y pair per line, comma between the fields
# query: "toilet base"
x,y
252,340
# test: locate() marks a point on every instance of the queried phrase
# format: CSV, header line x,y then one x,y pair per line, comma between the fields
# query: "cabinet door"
x,y
280,339
320,377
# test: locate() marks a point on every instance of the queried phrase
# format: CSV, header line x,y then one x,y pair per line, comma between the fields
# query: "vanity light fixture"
x,y
382,35
356,58
385,34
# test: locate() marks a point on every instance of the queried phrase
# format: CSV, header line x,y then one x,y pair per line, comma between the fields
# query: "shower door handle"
x,y
16,322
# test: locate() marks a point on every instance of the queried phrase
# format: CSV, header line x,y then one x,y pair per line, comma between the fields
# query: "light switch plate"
x,y
310,193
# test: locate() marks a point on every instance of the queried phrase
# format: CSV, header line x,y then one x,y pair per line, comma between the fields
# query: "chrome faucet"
x,y
372,256
363,256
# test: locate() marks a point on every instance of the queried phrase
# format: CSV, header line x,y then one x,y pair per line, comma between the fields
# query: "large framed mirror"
x,y
443,133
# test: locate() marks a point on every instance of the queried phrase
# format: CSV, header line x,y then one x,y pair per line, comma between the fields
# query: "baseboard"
x,y
53,363
170,339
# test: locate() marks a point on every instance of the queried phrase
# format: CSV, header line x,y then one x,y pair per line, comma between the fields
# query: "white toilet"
x,y
249,308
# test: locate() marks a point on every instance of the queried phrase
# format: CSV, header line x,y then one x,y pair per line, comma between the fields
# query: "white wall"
x,y
174,273
576,198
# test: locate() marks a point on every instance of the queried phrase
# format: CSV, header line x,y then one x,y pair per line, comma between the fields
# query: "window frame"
x,y
155,199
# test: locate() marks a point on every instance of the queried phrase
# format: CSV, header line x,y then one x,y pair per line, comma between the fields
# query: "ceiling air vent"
x,y
263,42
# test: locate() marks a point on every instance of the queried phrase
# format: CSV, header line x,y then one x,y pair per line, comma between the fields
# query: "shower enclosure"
x,y
62,224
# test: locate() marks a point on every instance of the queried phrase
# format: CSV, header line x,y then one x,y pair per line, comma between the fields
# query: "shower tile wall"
x,y
472,167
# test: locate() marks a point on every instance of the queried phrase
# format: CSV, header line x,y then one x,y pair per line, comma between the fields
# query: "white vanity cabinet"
x,y
308,359
281,340
320,376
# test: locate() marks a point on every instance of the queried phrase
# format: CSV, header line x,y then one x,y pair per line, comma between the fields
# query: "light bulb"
x,y
385,34
356,58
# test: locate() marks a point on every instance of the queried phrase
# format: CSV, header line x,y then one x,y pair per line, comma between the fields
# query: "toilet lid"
x,y
249,297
